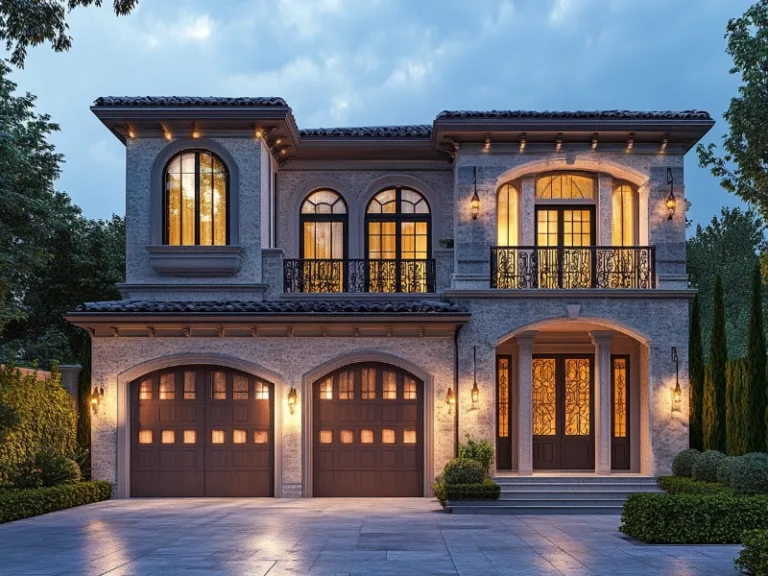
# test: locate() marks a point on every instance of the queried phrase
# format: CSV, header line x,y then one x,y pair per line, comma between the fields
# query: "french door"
x,y
566,234
563,412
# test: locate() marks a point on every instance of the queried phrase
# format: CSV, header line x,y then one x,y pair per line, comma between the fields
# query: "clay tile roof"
x,y
412,131
286,307
579,115
187,101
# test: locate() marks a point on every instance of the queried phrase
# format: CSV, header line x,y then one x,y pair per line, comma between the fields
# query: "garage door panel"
x,y
410,413
408,458
240,414
327,413
370,413
348,413
325,460
390,413
368,459
166,413
347,458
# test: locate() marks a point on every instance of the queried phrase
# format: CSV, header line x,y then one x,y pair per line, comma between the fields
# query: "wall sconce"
x,y
475,390
474,203
671,200
450,400
677,395
97,395
292,398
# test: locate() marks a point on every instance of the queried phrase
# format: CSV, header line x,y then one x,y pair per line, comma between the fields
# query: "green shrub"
x,y
56,469
18,504
753,558
682,465
692,518
463,471
24,475
725,468
485,490
749,474
683,485
438,489
481,451
44,421
705,465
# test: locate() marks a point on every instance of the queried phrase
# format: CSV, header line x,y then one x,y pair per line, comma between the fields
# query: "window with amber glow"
x,y
389,391
326,389
544,392
502,395
239,387
190,385
217,436
565,186
620,397
346,386
409,436
145,436
196,197
347,437
168,437
239,436
219,386
368,384
507,216
260,437
260,390
167,386
323,220
387,436
145,389
409,388
190,436
326,436
623,229
366,436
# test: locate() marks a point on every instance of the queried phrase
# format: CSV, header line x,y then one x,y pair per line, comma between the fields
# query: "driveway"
x,y
331,537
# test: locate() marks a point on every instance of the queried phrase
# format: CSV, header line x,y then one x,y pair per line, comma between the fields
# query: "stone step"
x,y
629,488
574,479
568,494
560,502
485,507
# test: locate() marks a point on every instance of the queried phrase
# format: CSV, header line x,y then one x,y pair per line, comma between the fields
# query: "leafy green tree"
x,y
726,247
742,170
696,371
25,23
718,355
756,358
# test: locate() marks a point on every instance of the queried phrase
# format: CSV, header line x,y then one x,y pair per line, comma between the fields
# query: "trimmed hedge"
x,y
683,485
682,465
705,465
692,518
18,504
725,469
463,471
749,474
485,490
753,558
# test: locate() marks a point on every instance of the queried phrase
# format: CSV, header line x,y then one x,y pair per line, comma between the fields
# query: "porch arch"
x,y
596,165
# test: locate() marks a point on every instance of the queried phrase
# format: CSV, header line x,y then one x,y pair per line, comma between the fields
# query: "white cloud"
x,y
106,152
307,16
185,28
193,28
409,73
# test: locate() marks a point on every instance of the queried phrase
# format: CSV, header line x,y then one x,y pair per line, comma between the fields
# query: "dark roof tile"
x,y
411,131
187,101
578,115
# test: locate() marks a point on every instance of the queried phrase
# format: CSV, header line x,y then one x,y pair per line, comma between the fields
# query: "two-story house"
x,y
328,312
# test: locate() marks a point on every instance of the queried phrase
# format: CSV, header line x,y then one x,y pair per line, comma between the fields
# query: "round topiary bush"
x,y
463,471
56,469
682,465
749,474
725,469
705,465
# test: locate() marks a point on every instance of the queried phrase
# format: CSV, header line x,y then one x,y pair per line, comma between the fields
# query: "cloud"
x,y
106,152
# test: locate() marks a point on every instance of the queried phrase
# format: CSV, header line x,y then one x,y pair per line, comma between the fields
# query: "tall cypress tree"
x,y
756,428
696,375
718,356
732,420
709,412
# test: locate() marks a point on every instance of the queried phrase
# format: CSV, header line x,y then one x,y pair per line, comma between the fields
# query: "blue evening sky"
x,y
375,62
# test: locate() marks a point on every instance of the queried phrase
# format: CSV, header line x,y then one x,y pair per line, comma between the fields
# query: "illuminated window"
x,y
168,437
409,436
544,391
346,386
239,387
578,392
145,436
507,216
390,385
217,436
387,436
323,222
366,436
565,186
260,437
260,390
239,437
190,436
219,386
190,385
368,384
620,397
167,386
326,436
326,389
196,190
409,388
623,229
145,389
502,396
347,437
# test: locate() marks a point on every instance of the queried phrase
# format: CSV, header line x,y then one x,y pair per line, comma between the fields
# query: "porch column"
x,y
525,403
527,211
605,210
602,341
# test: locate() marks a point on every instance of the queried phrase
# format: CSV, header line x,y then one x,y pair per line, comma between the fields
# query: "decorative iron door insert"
x,y
620,412
562,412
503,413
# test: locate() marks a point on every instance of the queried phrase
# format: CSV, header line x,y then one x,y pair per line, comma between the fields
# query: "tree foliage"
x,y
715,423
696,371
755,414
737,385
25,23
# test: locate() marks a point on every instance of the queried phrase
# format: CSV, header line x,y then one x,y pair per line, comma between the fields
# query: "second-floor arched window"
x,y
323,226
398,225
623,217
196,195
507,216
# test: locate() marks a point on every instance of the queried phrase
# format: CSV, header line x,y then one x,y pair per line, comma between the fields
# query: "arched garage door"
x,y
202,431
368,432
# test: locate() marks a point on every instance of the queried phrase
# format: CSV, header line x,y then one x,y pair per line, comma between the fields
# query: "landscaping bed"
x,y
18,504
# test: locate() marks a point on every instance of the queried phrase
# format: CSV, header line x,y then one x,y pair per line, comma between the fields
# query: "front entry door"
x,y
562,405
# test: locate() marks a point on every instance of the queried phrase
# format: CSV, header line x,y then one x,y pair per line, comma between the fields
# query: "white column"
x,y
525,403
602,341
527,211
605,210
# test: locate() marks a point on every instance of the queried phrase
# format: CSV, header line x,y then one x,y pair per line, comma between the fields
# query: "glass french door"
x,y
564,237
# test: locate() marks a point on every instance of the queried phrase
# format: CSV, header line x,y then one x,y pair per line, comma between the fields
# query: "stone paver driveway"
x,y
331,537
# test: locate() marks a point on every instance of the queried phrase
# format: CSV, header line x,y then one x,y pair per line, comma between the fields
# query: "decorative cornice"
x,y
578,114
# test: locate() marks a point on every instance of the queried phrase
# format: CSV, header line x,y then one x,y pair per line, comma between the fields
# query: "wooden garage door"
x,y
201,431
368,433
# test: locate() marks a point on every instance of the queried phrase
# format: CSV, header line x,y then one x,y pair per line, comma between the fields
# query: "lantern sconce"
x,y
450,400
97,395
474,203
671,200
292,398
475,390
677,395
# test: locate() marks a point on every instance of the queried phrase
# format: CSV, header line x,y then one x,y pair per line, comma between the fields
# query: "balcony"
x,y
358,276
607,267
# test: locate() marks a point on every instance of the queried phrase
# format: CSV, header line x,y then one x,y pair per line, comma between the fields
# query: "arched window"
x,y
323,226
196,198
623,226
565,186
507,216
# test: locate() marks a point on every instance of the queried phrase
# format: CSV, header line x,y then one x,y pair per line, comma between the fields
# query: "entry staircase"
x,y
557,495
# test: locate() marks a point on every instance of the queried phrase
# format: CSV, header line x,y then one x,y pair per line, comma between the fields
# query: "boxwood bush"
x,y
692,518
682,465
683,485
705,465
749,474
753,558
485,490
725,468
463,471
18,504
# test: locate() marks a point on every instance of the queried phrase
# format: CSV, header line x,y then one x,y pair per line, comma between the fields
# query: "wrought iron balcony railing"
x,y
302,275
536,267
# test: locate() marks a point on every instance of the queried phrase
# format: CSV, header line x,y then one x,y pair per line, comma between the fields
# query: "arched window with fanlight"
x,y
323,245
623,218
196,198
398,241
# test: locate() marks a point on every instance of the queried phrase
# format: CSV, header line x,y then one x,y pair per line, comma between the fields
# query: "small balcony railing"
x,y
357,275
535,267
